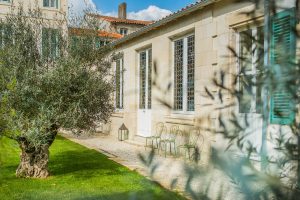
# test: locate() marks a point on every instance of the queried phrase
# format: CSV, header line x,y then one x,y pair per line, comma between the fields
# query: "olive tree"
x,y
47,84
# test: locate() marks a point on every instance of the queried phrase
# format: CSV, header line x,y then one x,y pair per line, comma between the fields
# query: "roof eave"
x,y
163,21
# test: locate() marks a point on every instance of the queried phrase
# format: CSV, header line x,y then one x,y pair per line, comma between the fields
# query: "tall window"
x,y
145,78
184,74
50,3
119,83
50,43
251,62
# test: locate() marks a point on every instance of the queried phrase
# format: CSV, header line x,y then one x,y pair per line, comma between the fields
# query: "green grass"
x,y
77,173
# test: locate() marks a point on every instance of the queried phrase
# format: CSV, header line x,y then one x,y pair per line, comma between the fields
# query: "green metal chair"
x,y
195,141
170,140
160,127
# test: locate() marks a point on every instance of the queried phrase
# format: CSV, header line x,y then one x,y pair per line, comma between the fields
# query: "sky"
x,y
137,9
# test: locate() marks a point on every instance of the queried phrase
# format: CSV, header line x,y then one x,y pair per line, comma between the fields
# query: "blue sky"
x,y
136,5
136,9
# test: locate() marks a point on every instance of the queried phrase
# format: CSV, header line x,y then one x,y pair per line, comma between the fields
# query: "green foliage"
x,y
43,89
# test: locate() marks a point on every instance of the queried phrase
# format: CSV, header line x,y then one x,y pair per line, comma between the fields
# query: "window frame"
x,y
184,110
148,94
51,31
119,107
122,31
253,72
57,6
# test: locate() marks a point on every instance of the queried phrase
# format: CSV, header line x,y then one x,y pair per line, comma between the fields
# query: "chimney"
x,y
122,11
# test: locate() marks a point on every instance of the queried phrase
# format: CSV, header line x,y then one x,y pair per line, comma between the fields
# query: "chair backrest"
x,y
159,129
181,138
173,131
196,138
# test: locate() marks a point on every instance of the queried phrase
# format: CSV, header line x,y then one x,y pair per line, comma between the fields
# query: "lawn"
x,y
77,173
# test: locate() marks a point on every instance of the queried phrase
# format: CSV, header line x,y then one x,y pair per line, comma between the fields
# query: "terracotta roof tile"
x,y
110,34
119,20
101,33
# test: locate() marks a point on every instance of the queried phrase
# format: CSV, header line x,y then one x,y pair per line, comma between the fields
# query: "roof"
x,y
110,34
100,33
180,13
119,20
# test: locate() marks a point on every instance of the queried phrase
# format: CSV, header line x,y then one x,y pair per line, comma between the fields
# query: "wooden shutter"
x,y
283,48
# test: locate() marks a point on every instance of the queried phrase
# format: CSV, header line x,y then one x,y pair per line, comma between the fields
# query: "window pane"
x,y
259,67
258,108
143,80
46,3
54,43
178,75
53,3
122,83
1,36
149,77
45,43
260,49
246,94
190,73
50,43
118,83
246,51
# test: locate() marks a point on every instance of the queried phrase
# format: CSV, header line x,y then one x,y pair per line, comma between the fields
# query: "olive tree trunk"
x,y
33,161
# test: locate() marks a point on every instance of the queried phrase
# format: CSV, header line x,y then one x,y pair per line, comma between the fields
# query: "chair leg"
x,y
159,147
166,149
174,149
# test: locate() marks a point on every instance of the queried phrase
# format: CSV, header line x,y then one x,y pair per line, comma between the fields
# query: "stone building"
x,y
54,16
181,54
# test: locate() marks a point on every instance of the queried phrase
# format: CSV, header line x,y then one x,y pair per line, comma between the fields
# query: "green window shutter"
x,y
282,52
1,36
57,4
54,43
45,43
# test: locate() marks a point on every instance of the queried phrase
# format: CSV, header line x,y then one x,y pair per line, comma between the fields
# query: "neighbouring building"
x,y
54,15
181,53
121,24
99,38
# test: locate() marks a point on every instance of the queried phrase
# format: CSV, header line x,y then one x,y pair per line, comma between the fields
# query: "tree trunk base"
x,y
34,162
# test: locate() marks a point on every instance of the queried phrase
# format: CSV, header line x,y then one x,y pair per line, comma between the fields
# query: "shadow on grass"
x,y
79,159
143,195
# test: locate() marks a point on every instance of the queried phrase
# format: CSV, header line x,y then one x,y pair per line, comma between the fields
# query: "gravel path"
x,y
172,173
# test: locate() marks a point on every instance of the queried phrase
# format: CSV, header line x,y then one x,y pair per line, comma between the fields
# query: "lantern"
x,y
123,133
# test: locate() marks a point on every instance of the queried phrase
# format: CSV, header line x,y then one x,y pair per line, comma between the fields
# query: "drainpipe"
x,y
265,114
